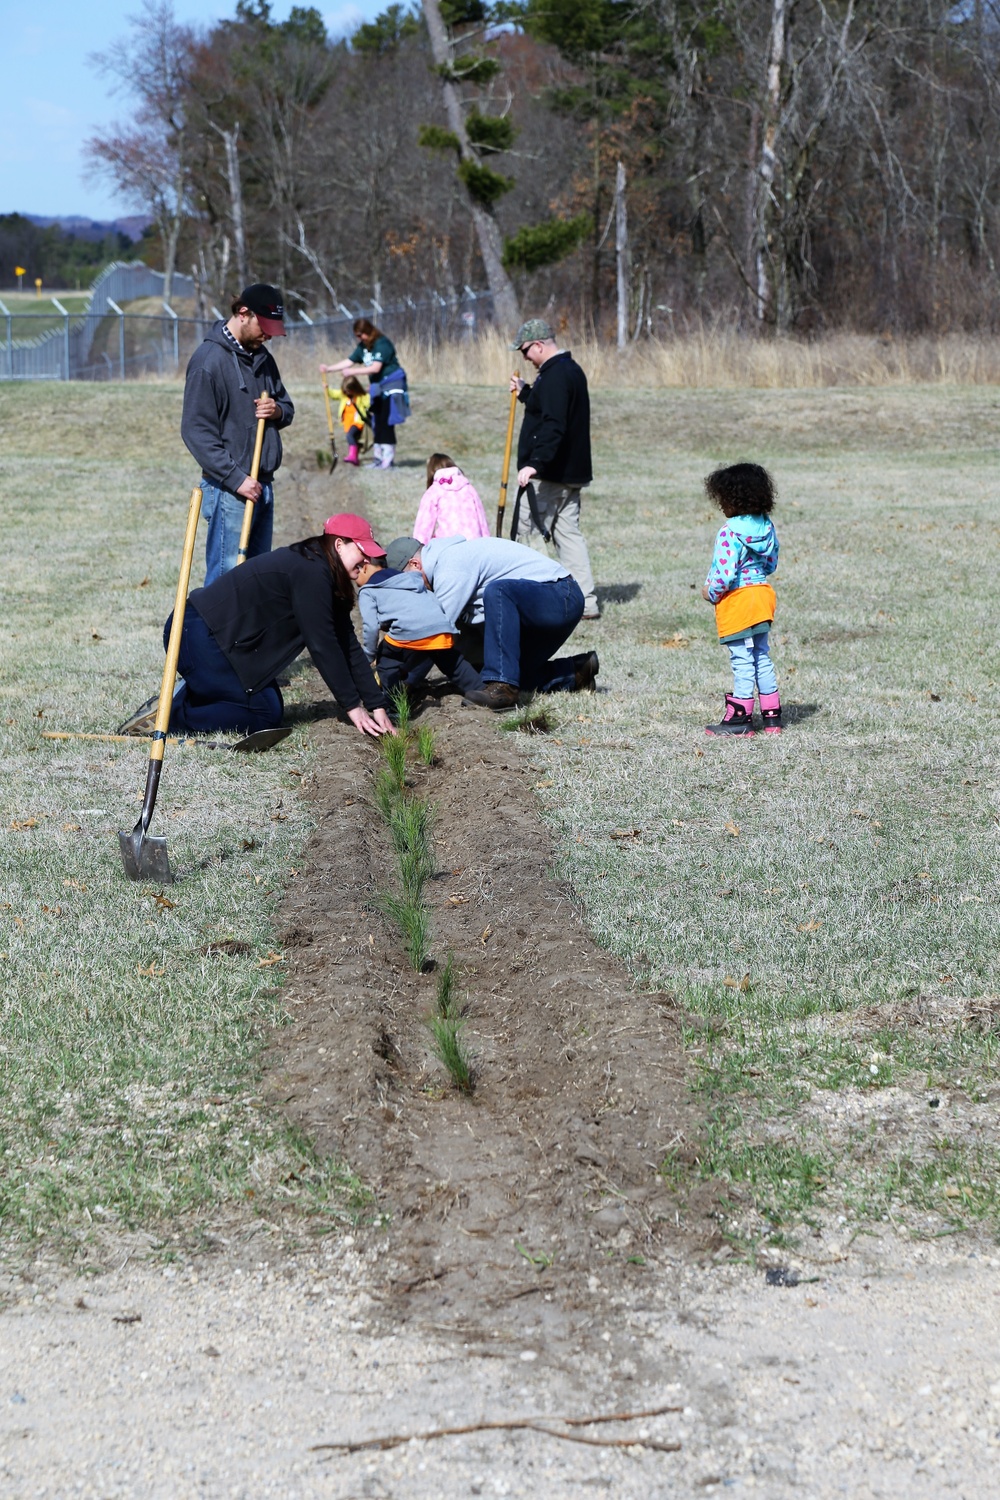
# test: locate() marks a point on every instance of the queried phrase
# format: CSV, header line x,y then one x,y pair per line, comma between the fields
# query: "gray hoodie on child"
x,y
400,604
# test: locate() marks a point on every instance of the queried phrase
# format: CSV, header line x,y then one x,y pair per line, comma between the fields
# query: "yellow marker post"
x,y
20,273
38,286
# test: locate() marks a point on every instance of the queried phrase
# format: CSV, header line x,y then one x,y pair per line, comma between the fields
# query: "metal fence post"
x,y
59,308
10,341
177,352
121,335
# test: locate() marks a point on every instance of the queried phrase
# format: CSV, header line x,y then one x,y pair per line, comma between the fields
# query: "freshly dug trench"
x,y
548,1173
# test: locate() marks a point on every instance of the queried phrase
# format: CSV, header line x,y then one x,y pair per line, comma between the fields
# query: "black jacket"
x,y
555,433
219,422
265,612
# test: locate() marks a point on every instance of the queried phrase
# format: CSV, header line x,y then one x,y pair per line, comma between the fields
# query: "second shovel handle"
x,y
506,463
248,505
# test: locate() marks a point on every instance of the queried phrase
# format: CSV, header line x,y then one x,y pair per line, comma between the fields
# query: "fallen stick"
x,y
520,1424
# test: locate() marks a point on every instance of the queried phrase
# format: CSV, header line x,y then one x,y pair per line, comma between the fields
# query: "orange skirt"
x,y
745,609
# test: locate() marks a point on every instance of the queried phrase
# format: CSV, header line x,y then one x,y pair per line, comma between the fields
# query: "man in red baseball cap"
x,y
232,382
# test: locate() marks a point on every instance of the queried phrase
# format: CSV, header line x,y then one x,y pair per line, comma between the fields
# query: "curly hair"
x,y
741,490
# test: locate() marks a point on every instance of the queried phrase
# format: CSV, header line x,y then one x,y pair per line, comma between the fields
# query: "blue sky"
x,y
52,99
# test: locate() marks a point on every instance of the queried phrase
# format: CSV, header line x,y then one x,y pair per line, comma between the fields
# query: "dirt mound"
x,y
552,1164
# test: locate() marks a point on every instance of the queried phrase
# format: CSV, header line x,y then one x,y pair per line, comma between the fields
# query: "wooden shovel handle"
x,y
176,628
248,505
329,408
506,462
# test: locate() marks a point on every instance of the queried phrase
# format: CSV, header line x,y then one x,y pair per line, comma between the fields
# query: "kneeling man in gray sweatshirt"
x,y
526,605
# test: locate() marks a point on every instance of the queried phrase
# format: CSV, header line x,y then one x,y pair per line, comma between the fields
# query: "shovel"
x,y
248,505
506,463
329,423
145,858
258,739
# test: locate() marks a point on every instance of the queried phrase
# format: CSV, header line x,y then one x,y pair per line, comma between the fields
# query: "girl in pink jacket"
x,y
450,506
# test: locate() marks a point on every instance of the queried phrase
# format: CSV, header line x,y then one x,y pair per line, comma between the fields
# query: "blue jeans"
x,y
213,700
224,514
525,622
752,664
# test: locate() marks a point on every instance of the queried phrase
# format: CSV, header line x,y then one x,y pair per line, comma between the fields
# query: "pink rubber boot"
x,y
351,457
737,719
770,712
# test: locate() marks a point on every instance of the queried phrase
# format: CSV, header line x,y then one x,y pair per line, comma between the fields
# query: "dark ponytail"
x,y
325,547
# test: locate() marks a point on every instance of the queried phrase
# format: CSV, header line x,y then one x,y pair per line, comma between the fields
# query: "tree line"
x,y
60,257
638,165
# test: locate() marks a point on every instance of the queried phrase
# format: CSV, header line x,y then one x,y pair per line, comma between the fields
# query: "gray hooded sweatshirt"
x,y
219,422
459,570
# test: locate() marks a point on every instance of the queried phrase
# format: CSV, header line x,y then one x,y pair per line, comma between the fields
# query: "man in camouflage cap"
x,y
553,451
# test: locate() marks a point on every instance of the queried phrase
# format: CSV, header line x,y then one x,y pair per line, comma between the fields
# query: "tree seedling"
x,y
425,744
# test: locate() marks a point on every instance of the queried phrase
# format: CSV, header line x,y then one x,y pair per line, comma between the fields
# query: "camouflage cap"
x,y
535,328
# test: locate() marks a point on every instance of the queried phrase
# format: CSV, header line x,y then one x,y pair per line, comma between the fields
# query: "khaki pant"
x,y
558,508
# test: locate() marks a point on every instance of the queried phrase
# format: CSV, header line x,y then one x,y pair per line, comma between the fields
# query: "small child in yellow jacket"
x,y
355,404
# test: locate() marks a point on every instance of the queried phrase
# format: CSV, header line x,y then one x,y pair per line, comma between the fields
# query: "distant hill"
x,y
131,225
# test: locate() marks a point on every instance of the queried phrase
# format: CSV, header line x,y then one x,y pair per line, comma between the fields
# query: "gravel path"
x,y
217,1378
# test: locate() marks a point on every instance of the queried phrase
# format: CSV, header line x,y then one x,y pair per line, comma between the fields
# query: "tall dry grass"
x,y
716,358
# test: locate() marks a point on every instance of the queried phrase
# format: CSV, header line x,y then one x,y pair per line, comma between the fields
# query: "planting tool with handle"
x,y
260,739
248,505
145,858
329,424
506,462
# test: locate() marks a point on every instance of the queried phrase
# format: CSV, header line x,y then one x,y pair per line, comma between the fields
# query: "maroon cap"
x,y
266,302
354,529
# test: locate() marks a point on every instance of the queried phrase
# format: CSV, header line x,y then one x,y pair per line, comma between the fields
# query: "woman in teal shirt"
x,y
375,356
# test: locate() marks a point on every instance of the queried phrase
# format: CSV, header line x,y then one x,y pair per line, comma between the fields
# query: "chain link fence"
x,y
111,342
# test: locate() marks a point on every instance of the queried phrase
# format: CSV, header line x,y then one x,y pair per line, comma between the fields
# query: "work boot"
x,y
770,712
143,721
351,456
586,672
499,696
737,719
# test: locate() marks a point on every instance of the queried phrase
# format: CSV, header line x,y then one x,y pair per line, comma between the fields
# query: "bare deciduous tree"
x,y
148,163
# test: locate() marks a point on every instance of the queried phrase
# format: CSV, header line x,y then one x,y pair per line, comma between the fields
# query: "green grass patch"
x,y
131,1018
533,718
857,896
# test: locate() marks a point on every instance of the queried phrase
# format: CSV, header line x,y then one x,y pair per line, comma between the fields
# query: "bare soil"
x,y
552,1162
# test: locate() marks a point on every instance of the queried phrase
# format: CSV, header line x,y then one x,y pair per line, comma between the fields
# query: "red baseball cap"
x,y
266,302
354,529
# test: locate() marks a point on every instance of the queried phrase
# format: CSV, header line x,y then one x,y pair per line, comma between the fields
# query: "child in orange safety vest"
x,y
355,405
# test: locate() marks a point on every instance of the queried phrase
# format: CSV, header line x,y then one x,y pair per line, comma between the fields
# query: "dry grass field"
x,y
823,905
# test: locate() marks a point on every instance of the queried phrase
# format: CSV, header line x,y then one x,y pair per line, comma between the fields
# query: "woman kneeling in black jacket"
x,y
243,630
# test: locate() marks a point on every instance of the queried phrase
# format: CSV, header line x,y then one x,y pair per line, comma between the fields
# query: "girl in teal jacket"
x,y
745,556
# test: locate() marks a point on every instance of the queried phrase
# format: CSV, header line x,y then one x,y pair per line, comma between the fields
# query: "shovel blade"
x,y
145,858
261,739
